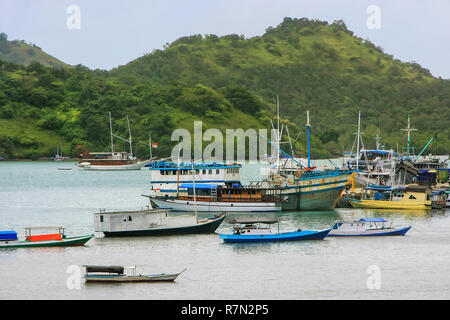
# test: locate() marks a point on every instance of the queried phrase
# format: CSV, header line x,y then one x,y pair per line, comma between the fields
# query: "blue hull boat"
x,y
269,237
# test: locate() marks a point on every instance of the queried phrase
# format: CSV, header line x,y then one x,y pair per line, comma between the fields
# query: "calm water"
x,y
38,194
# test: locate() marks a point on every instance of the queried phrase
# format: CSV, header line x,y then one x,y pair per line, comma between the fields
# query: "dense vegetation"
x,y
229,82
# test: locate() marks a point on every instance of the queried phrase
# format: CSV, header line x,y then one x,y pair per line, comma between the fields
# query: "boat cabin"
x,y
234,193
8,235
129,220
410,193
167,176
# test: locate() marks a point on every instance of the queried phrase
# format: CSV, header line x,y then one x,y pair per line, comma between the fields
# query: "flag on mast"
x,y
155,145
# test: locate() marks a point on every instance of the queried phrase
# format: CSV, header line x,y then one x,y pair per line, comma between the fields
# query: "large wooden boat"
x,y
9,239
258,230
152,222
216,198
117,274
386,197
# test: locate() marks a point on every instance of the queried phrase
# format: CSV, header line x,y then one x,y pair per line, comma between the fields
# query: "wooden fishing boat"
x,y
117,274
386,197
152,222
366,227
9,239
258,230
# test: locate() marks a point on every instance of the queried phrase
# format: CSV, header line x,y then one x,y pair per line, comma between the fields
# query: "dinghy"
x,y
117,274
366,227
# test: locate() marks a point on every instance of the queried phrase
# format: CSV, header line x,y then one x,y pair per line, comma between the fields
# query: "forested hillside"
x,y
229,82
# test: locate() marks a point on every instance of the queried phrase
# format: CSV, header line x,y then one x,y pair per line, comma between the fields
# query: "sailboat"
x,y
114,160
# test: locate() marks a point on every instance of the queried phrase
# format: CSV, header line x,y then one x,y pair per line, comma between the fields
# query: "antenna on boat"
x,y
110,130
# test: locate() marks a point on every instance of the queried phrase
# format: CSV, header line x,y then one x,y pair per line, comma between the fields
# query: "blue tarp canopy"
x,y
8,235
373,220
198,185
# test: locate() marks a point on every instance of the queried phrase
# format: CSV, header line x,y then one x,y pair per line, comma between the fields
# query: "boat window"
x,y
129,218
204,171
210,171
101,218
217,171
412,197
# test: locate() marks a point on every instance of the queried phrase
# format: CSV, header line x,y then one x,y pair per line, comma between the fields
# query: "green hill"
x,y
312,64
19,52
231,82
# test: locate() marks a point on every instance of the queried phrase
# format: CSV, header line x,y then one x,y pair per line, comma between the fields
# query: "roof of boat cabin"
x,y
134,212
373,220
249,220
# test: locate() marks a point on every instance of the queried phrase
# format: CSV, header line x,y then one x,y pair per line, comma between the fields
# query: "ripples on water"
x,y
37,194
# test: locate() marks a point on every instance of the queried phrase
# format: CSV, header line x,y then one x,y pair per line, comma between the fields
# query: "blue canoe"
x,y
273,237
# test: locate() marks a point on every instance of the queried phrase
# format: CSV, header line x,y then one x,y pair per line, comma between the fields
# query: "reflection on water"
x,y
36,194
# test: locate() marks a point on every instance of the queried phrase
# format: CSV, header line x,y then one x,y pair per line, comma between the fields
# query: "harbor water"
x,y
415,266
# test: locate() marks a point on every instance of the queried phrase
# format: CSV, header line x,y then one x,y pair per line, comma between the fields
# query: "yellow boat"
x,y
411,197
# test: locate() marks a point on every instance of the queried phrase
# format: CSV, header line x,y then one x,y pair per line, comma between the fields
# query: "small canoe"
x,y
116,274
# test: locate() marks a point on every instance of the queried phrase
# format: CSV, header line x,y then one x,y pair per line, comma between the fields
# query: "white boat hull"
x,y
210,206
133,166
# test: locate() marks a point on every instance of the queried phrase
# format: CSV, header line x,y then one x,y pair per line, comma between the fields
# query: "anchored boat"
x,y
9,239
366,227
113,161
117,274
258,230
152,222
386,197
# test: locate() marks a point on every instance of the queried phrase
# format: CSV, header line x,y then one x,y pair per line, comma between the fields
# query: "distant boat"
x,y
112,161
258,230
366,227
152,222
1,157
438,199
117,274
9,239
387,197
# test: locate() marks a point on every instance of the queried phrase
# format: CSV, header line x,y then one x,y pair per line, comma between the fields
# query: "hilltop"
x,y
20,52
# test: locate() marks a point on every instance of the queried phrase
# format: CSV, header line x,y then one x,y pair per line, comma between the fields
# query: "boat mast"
x,y
408,130
308,127
278,131
110,130
129,138
195,199
357,142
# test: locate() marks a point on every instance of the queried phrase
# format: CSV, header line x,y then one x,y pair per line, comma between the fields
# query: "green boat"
x,y
9,239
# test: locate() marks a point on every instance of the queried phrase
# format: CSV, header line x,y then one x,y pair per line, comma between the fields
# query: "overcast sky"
x,y
114,32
